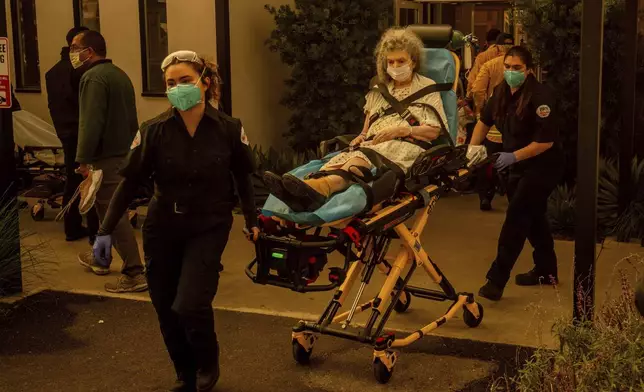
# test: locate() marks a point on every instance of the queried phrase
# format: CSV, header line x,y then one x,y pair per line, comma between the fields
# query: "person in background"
x,y
196,156
490,76
491,52
522,109
62,82
107,126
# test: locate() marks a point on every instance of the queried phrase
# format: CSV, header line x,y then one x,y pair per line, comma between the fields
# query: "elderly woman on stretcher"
x,y
387,136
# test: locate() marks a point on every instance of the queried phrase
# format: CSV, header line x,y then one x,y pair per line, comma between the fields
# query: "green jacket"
x,y
108,121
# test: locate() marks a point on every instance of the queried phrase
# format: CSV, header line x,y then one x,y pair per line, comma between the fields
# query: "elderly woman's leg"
x,y
311,194
328,185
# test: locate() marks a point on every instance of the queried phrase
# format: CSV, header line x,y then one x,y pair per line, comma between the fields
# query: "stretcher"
x,y
293,254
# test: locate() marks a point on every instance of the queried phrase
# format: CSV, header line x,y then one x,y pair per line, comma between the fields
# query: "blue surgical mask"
x,y
514,78
184,96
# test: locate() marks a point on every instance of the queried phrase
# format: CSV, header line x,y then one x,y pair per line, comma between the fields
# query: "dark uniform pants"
x,y
528,192
488,178
183,275
73,218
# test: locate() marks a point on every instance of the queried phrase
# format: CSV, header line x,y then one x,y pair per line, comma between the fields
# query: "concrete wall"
x,y
257,73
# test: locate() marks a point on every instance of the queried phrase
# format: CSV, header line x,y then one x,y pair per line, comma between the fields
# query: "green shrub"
x,y
329,46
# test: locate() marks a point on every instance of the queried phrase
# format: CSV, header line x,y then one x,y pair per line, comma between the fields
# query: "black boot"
x,y
276,187
207,378
491,291
533,278
310,199
185,383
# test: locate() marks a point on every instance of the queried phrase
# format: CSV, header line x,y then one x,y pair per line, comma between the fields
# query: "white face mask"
x,y
75,59
400,74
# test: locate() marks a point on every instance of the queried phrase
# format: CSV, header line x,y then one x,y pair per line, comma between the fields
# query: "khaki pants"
x,y
123,234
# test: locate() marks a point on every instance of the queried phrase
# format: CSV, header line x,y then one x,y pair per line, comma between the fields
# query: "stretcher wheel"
x,y
380,371
469,318
300,354
400,306
38,212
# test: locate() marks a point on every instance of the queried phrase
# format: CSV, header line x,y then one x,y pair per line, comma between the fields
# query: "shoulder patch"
x,y
543,111
137,140
244,138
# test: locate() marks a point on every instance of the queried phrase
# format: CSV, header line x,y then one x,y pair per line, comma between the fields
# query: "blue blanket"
x,y
340,206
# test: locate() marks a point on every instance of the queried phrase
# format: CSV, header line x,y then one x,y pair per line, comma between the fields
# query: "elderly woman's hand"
x,y
356,142
390,134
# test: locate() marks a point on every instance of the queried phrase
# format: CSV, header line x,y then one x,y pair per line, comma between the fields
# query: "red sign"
x,y
5,76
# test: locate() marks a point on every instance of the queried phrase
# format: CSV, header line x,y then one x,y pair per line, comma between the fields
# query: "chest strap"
x,y
402,108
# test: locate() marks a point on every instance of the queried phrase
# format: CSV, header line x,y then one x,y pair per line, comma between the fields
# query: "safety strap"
x,y
402,108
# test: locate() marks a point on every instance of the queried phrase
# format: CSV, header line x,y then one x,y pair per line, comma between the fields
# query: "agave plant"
x,y
561,205
626,225
24,257
607,195
561,211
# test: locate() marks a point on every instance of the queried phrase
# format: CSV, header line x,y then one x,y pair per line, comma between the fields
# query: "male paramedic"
x,y
107,126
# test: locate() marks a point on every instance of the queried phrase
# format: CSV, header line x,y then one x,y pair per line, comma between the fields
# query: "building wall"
x,y
53,23
257,74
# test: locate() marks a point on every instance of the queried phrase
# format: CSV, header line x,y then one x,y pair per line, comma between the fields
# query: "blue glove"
x,y
103,250
505,160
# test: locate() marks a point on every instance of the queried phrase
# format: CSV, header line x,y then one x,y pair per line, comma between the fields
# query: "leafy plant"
x,y
329,46
280,162
603,355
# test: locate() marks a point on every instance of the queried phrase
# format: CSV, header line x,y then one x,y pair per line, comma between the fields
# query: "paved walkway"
x,y
460,238
59,342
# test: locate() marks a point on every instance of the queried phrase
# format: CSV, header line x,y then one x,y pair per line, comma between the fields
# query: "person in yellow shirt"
x,y
491,52
490,76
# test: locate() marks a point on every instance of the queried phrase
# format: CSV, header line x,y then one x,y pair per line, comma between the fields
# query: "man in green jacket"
x,y
107,127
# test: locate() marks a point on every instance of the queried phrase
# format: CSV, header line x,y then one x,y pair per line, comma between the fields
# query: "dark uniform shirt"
x,y
194,176
538,123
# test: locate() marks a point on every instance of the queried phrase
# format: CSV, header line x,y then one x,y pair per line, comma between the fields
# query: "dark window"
x,y
25,42
154,44
86,14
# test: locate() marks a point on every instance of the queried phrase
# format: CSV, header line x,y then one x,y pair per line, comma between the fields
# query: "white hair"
x,y
395,39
